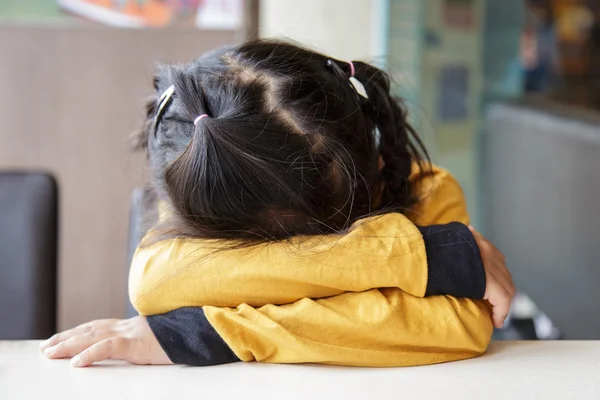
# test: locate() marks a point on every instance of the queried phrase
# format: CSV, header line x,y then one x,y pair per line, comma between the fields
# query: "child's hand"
x,y
131,340
499,288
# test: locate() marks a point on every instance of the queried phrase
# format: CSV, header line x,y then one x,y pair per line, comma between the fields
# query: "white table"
x,y
510,370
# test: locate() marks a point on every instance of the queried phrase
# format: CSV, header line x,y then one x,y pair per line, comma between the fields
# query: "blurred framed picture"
x,y
204,14
459,14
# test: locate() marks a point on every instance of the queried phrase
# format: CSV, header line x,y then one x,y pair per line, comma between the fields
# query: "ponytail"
x,y
211,184
399,144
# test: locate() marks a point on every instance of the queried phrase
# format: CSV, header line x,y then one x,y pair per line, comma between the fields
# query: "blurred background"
x,y
506,94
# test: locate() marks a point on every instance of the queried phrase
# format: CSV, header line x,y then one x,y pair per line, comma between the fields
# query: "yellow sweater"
x,y
354,299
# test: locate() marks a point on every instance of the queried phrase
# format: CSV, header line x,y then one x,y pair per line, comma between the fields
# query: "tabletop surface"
x,y
510,370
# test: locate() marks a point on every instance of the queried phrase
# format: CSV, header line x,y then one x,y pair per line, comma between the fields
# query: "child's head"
x,y
287,146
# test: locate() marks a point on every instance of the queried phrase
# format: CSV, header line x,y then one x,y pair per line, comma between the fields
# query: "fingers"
x,y
81,329
62,336
500,311
500,267
500,296
476,234
116,348
500,288
76,344
485,246
489,245
498,321
131,340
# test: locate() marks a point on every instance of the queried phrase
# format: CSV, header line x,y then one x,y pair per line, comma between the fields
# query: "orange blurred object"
x,y
153,13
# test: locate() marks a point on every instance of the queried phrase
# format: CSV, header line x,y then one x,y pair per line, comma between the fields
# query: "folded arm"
x,y
384,327
378,327
384,251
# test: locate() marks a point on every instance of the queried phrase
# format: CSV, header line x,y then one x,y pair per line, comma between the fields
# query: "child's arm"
x,y
384,327
385,251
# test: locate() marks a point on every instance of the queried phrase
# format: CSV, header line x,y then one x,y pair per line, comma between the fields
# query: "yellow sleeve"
x,y
378,328
384,251
441,200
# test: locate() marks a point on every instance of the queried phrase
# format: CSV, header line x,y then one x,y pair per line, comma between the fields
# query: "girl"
x,y
293,189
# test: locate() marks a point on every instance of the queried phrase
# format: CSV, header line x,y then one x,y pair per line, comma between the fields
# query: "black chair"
x,y
143,214
28,255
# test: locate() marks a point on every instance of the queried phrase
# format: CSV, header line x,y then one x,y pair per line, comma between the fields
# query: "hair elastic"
x,y
198,118
352,70
358,86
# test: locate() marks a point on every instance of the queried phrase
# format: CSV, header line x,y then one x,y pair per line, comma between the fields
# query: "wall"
x,y
70,97
452,76
449,58
341,28
541,190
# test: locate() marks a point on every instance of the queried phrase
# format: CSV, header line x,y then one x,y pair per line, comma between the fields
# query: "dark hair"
x,y
289,146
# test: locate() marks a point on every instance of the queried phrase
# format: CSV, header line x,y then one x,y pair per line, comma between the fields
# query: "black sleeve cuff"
x,y
188,338
454,264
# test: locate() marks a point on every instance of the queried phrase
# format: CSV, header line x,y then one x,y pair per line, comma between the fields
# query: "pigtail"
x,y
184,174
399,144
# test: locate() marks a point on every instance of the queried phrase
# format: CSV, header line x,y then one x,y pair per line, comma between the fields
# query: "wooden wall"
x,y
69,97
